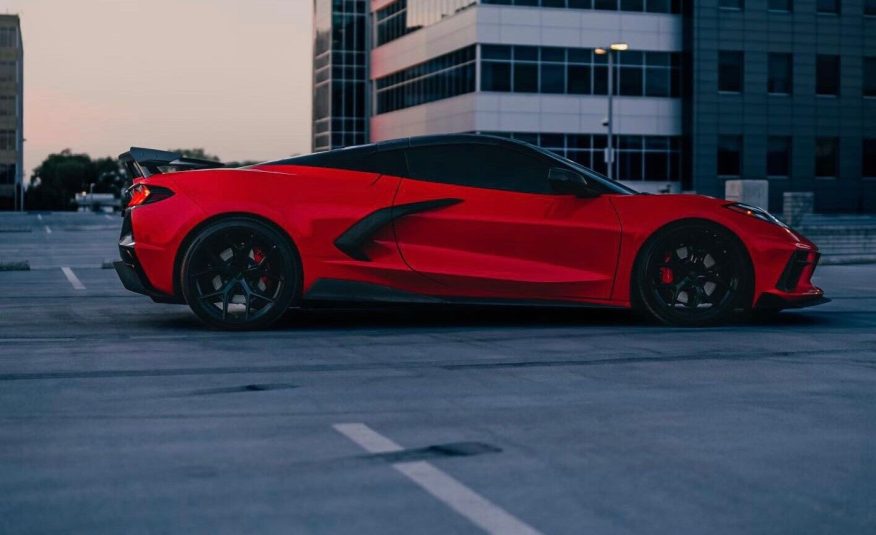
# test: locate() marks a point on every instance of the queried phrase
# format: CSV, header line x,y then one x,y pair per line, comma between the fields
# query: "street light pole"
x,y
610,50
610,114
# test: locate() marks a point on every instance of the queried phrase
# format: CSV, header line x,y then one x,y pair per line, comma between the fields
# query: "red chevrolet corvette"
x,y
445,219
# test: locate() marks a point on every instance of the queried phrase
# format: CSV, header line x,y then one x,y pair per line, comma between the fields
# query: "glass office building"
x,y
11,113
707,91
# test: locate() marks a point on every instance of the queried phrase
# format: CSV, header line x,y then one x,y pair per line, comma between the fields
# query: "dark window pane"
x,y
495,52
660,6
870,7
553,3
495,76
731,4
827,75
481,166
826,160
632,5
553,78
630,165
730,71
581,4
780,5
778,156
605,4
631,81
553,54
870,77
868,159
600,80
579,79
657,82
729,155
528,53
828,6
780,76
526,77
656,166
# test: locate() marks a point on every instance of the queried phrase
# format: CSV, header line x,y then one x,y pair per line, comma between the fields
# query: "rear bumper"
x,y
130,271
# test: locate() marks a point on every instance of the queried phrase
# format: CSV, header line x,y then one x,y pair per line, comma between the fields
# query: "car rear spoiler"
x,y
140,162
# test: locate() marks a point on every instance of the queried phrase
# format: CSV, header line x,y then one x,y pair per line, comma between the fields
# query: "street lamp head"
x,y
620,47
600,51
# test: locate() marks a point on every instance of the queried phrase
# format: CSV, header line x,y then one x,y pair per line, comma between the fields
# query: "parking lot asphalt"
x,y
121,415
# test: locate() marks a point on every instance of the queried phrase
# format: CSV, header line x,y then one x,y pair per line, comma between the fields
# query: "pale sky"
x,y
231,76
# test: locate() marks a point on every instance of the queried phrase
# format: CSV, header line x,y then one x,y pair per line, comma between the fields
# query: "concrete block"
x,y
753,192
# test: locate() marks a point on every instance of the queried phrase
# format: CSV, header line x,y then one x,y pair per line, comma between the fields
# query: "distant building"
x,y
708,90
11,113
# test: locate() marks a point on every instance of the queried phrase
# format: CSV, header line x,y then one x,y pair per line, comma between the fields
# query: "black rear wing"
x,y
140,162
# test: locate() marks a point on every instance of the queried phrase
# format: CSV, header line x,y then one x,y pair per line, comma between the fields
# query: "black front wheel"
x,y
239,273
693,274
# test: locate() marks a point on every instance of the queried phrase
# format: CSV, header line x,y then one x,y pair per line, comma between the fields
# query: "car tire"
x,y
239,273
693,274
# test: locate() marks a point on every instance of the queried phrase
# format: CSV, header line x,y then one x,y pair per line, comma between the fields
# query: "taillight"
x,y
143,194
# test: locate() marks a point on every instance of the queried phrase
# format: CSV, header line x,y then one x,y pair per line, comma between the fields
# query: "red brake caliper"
x,y
258,255
666,276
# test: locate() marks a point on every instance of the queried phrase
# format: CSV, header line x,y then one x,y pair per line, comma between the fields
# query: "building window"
x,y
868,158
403,17
654,158
827,75
8,37
7,106
731,4
826,156
730,71
577,71
870,76
7,173
729,155
7,140
780,5
439,78
778,156
827,6
870,7
651,6
781,74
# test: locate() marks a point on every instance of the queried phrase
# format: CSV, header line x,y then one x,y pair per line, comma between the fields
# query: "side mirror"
x,y
567,181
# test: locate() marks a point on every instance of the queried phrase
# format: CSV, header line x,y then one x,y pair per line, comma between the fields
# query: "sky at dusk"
x,y
231,76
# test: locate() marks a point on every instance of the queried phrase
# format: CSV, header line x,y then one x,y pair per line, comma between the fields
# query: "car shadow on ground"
x,y
411,317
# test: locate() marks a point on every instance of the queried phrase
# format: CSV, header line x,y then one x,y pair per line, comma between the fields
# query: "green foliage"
x,y
198,153
62,175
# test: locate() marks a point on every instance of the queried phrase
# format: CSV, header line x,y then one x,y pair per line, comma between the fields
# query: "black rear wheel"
x,y
693,274
239,273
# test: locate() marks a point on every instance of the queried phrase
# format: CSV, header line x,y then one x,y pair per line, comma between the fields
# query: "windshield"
x,y
611,185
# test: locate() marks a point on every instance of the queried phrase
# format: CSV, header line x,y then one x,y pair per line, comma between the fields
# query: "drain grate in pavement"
x,y
243,388
15,266
437,451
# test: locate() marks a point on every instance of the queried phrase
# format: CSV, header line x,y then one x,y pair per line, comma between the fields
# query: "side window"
x,y
480,166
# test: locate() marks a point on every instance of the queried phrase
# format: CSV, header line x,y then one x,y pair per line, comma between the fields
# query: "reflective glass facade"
x,y
442,77
648,6
655,158
339,73
578,71
405,16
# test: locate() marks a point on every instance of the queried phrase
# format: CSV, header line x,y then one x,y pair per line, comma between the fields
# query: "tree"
x,y
198,153
55,182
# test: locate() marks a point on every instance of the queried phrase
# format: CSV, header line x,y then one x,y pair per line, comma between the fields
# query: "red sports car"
x,y
445,219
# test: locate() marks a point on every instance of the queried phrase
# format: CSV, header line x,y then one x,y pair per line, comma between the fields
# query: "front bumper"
x,y
794,288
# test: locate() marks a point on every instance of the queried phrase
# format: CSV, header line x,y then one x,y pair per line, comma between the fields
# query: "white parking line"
x,y
74,280
480,511
107,216
48,230
39,217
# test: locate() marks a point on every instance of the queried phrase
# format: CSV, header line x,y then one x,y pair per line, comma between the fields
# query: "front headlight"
x,y
754,211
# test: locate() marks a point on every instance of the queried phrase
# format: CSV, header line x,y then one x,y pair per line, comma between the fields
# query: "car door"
x,y
495,229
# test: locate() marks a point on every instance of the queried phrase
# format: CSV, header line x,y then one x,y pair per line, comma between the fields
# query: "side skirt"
x,y
344,291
